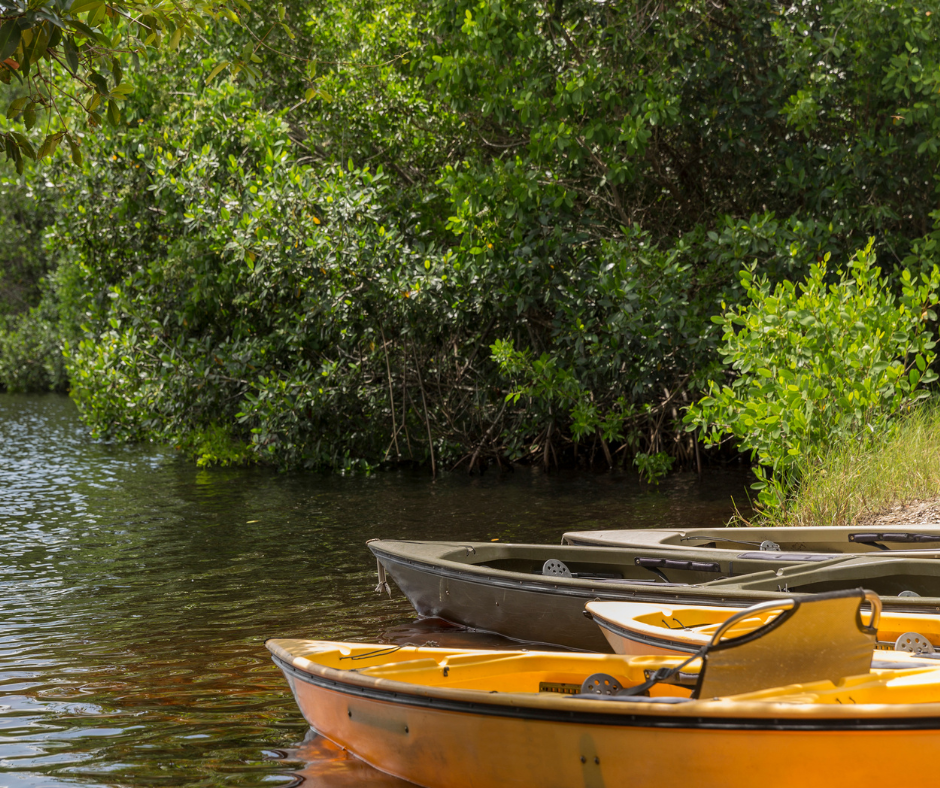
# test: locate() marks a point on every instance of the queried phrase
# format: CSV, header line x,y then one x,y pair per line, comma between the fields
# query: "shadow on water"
x,y
136,592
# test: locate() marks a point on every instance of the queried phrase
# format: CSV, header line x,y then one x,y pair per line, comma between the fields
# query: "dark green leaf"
x,y
52,18
49,144
82,28
71,54
9,39
100,83
40,42
114,114
76,152
24,144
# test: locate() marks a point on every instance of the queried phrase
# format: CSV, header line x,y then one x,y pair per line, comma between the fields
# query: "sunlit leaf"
x,y
216,71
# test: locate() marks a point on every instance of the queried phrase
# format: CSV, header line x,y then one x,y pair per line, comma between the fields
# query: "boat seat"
x,y
815,638
819,637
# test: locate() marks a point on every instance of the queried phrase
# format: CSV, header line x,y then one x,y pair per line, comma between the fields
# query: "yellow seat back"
x,y
815,638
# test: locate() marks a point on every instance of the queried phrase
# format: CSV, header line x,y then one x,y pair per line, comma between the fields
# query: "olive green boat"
x,y
537,593
834,540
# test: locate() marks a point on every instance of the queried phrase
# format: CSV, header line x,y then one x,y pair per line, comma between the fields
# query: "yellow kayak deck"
x,y
544,676
642,628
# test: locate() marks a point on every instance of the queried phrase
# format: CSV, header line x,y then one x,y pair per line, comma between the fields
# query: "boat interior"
x,y
892,577
612,564
837,540
694,625
602,676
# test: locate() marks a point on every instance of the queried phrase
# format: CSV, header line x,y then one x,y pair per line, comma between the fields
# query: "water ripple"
x,y
136,593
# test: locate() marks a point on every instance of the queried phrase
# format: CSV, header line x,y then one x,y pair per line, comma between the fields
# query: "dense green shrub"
x,y
817,364
248,296
24,214
31,352
434,207
30,345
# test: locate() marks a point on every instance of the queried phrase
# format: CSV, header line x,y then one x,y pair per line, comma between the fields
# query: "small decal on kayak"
x,y
561,689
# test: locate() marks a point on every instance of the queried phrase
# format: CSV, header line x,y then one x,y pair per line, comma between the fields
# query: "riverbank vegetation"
x,y
862,476
818,366
473,233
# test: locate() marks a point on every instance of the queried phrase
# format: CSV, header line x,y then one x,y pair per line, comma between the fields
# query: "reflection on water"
x,y
329,765
136,592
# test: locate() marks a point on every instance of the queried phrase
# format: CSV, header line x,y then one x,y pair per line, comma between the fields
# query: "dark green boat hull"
x,y
495,588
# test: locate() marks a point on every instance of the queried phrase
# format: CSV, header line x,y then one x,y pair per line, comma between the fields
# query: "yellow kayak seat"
x,y
822,637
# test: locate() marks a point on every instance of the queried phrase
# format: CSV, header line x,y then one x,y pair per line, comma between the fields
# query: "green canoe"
x,y
537,593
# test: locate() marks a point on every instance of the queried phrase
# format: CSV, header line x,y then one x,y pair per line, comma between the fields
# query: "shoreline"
x,y
913,512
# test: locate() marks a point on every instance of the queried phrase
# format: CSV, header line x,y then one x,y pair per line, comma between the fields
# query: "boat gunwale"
x,y
655,538
708,714
481,569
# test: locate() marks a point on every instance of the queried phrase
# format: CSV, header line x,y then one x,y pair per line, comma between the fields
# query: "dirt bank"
x,y
913,513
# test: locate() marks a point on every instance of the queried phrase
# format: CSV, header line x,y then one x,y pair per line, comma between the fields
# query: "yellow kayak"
x,y
636,628
797,701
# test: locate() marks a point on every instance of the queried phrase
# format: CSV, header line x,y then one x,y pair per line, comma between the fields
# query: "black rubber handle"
x,y
671,563
893,536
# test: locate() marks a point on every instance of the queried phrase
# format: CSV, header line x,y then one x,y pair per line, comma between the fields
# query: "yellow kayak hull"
x,y
454,719
636,628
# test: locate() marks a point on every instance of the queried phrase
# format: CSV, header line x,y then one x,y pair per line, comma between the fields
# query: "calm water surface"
x,y
136,592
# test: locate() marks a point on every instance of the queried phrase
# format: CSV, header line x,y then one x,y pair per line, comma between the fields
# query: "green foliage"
x,y
817,363
31,353
318,266
212,282
731,135
30,344
214,445
24,265
653,467
68,54
547,389
245,296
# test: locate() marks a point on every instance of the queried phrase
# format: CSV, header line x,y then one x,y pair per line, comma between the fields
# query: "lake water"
x,y
138,591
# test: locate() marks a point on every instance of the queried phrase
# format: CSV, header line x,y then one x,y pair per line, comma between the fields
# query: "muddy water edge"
x,y
138,591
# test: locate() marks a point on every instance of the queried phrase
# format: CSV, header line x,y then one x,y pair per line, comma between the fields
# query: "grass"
x,y
865,476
